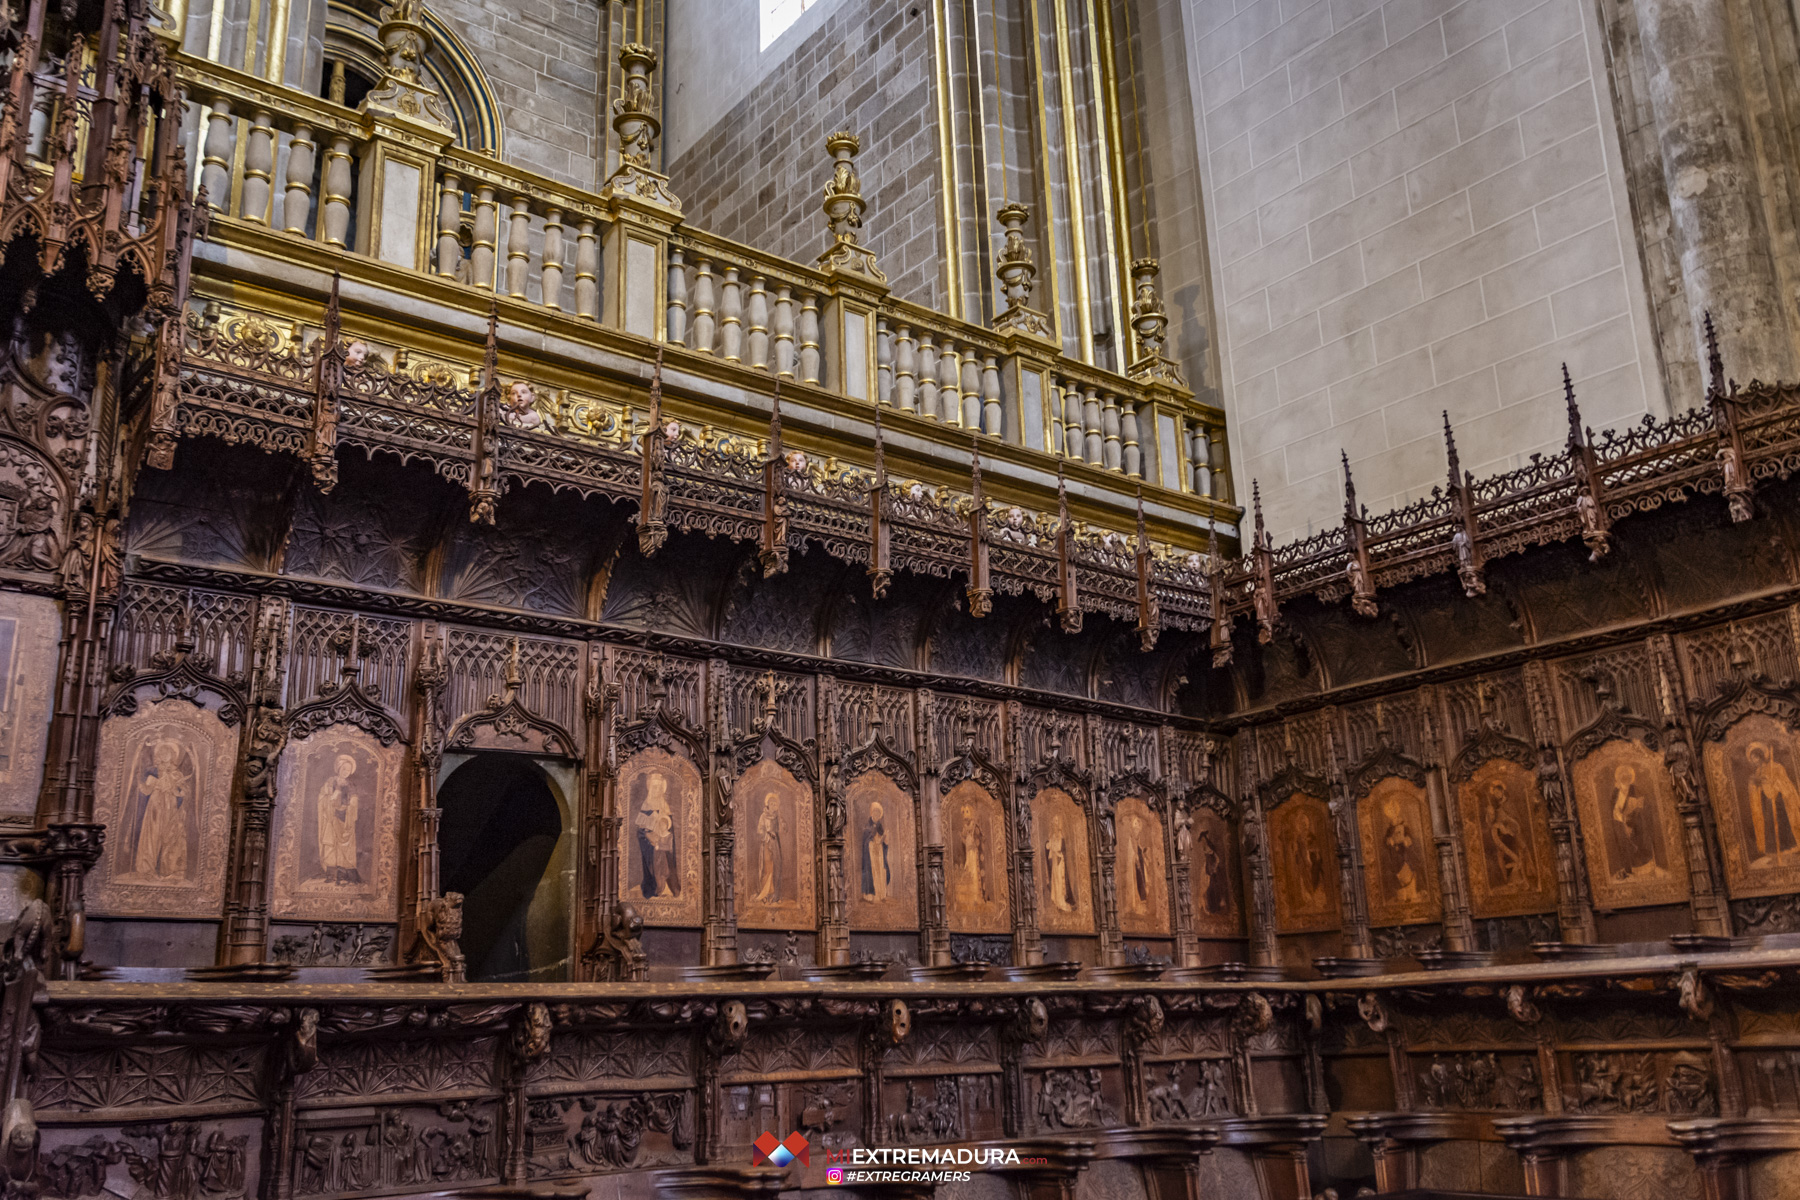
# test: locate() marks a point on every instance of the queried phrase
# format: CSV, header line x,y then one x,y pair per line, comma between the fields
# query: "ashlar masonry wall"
x,y
756,176
1414,206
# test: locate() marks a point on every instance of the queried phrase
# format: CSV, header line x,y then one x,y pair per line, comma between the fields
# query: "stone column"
x,y
1715,201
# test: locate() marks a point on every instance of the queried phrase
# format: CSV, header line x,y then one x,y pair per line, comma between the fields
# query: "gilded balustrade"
x,y
371,185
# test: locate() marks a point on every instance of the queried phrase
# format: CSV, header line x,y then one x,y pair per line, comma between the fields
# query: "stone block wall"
x,y
756,176
1414,206
542,58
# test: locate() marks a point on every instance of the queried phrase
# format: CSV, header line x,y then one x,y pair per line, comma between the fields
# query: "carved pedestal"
x,y
718,1183
1723,1147
1166,1157
1395,1139
1277,1147
1544,1144
1046,1169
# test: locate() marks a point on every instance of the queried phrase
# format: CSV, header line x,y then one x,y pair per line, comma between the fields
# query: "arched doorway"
x,y
502,844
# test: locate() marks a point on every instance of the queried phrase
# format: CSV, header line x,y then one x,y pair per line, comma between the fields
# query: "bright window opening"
x,y
778,15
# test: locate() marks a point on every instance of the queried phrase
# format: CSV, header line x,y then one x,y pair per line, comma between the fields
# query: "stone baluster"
x,y
296,207
518,246
551,273
216,151
884,363
927,376
758,313
784,331
1071,418
1197,458
990,396
1128,430
809,339
486,238
1110,456
1094,443
449,225
259,165
336,209
971,390
587,271
906,369
949,384
731,317
678,303
704,323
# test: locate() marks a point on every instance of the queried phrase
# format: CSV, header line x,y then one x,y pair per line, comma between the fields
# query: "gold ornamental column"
x,y
643,209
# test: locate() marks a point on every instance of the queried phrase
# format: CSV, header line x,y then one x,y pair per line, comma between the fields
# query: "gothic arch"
x,y
450,65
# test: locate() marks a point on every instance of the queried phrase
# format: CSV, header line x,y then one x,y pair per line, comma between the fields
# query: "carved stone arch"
x,y
877,753
1383,762
1745,694
1489,742
1613,724
972,763
1205,795
349,702
174,675
1060,772
799,759
1294,780
449,65
506,724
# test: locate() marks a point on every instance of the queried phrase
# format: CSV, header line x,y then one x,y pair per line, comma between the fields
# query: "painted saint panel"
x,y
1142,867
660,796
775,841
1507,839
1215,875
1399,858
1753,775
1304,853
164,794
29,627
1633,833
882,860
975,874
337,840
1065,877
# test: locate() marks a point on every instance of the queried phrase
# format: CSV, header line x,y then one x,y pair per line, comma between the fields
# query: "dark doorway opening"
x,y
497,841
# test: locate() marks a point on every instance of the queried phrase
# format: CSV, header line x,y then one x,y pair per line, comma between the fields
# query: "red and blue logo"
x,y
768,1150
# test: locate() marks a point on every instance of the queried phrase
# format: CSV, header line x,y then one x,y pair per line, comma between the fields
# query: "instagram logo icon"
x,y
834,1175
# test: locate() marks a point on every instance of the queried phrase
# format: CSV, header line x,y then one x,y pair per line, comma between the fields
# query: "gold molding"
x,y
1084,316
1105,60
1053,301
947,163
